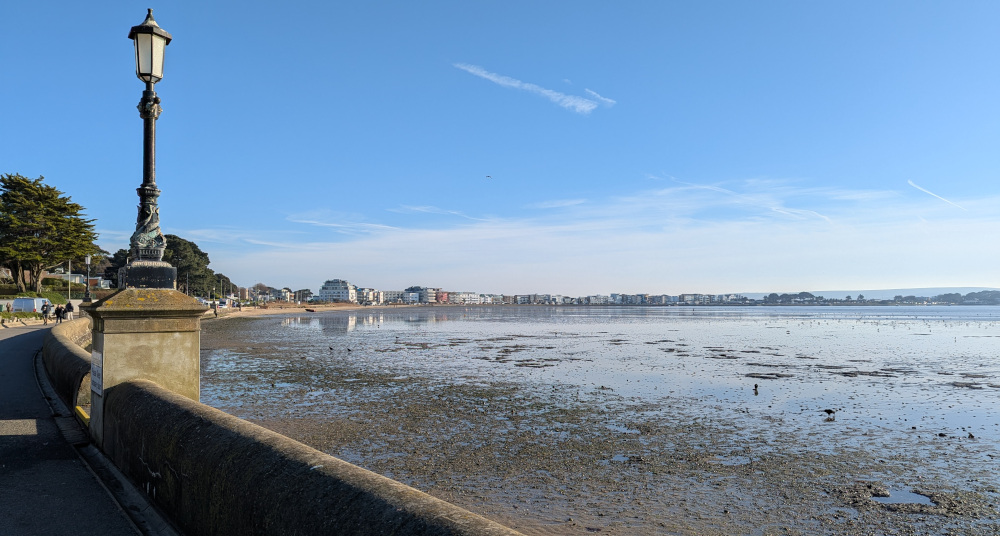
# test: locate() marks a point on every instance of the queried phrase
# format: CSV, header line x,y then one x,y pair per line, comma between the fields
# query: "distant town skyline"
x,y
343,290
523,148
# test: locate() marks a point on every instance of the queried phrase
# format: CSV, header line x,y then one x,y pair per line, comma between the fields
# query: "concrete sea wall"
x,y
212,473
67,363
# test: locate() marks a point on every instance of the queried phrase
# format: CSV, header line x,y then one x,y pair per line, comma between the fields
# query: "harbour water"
x,y
652,420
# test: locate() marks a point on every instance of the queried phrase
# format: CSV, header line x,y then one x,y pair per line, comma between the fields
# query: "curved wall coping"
x,y
67,363
214,473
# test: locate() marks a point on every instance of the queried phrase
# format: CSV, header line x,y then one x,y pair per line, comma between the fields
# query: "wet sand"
x,y
278,309
558,457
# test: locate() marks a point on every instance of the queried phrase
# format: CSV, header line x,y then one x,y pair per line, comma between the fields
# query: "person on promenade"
x,y
59,314
45,313
8,307
68,311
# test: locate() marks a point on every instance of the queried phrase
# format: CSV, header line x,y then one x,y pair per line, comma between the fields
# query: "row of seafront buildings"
x,y
339,290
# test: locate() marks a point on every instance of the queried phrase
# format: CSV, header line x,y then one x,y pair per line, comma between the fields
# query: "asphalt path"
x,y
45,488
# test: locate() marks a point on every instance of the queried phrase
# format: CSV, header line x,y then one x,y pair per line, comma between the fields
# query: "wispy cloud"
x,y
345,226
786,235
608,249
580,105
435,210
606,101
113,236
911,183
347,223
558,203
767,198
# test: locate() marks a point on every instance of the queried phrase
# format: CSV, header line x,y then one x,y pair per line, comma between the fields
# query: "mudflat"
x,y
575,421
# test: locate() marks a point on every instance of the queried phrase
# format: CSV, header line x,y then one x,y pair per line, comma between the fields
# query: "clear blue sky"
x,y
660,147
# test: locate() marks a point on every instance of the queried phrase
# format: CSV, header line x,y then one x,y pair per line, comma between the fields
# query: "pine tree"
x,y
40,228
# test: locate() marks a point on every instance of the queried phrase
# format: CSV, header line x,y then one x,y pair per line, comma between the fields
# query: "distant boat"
x,y
310,310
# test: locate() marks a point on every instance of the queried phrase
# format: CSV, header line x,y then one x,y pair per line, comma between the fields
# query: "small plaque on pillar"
x,y
97,372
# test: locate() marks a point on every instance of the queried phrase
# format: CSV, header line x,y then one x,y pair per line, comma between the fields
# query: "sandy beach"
x,y
288,308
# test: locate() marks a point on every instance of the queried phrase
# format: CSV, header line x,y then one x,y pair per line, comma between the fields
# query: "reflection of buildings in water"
x,y
338,322
350,321
302,322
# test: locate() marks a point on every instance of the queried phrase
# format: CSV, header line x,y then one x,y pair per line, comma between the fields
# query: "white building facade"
x,y
338,290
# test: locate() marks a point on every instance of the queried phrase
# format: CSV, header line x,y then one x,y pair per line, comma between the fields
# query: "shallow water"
x,y
913,383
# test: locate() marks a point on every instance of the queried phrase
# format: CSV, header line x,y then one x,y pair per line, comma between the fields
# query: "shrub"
x,y
21,314
54,297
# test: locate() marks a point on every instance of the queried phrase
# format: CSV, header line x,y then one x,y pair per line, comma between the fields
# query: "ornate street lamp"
x,y
146,268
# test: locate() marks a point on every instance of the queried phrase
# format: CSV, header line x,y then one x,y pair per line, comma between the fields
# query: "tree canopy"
x,y
194,277
40,228
193,274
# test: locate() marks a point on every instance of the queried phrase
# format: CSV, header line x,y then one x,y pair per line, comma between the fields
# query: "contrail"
x,y
935,195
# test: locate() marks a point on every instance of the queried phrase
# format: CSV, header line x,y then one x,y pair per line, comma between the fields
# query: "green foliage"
x,y
113,263
55,297
20,314
192,266
39,228
986,297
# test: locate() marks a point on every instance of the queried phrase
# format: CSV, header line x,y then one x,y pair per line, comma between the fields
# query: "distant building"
x,y
427,295
303,295
369,296
338,290
466,298
392,296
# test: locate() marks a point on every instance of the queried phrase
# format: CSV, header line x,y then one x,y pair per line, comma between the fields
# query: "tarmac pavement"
x,y
45,488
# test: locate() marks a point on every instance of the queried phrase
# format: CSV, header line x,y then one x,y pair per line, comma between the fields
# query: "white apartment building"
x,y
338,290
393,296
368,296
465,298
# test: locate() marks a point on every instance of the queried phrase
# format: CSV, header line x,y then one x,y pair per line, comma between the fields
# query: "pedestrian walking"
x,y
68,311
45,313
59,314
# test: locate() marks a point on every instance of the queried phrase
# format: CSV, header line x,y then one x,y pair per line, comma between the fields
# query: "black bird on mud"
x,y
831,414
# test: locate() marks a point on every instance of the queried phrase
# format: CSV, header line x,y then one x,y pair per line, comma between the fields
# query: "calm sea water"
x,y
935,368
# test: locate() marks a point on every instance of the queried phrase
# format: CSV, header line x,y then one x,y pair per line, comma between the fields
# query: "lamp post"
x,y
86,293
146,268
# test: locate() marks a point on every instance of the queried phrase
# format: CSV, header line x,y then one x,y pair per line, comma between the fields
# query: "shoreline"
x,y
289,309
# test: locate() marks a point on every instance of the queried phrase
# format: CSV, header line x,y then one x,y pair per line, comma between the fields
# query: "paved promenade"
x,y
44,486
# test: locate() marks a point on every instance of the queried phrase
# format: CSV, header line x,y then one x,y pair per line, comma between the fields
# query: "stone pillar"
x,y
141,333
